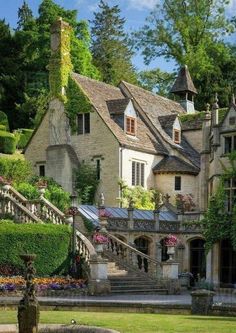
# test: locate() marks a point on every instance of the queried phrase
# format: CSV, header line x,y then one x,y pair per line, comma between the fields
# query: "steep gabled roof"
x,y
167,121
100,94
183,82
173,164
117,106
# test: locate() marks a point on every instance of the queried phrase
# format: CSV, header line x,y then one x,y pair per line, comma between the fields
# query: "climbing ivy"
x,y
217,223
77,102
60,65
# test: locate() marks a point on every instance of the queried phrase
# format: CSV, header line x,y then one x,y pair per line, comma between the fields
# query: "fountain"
x,y
28,309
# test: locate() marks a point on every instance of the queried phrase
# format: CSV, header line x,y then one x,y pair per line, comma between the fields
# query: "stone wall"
x,y
36,150
194,137
100,144
166,184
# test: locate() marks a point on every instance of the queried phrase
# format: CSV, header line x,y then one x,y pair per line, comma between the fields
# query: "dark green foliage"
x,y
218,224
4,120
157,80
77,102
86,183
15,169
191,32
24,136
7,143
51,244
110,45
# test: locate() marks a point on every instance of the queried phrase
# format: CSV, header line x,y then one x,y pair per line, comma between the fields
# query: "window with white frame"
x,y
230,190
83,123
138,173
229,143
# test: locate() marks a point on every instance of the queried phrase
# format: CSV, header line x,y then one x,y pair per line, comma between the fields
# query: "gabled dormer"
x,y
176,131
171,126
228,130
123,113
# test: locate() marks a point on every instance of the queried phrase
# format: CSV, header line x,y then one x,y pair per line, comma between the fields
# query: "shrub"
x,y
15,169
2,127
7,142
51,244
4,120
28,190
86,183
24,136
59,197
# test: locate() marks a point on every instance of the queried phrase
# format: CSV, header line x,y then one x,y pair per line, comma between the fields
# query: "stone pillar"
x,y
156,215
98,282
202,301
130,211
216,264
158,258
209,267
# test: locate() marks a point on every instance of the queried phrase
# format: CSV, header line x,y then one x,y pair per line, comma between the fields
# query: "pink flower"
x,y
99,239
170,240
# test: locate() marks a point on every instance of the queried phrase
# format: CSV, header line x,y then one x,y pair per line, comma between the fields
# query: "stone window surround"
x,y
230,188
84,127
232,143
178,182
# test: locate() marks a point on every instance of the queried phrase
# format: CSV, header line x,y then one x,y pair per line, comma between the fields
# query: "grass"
x,y
133,322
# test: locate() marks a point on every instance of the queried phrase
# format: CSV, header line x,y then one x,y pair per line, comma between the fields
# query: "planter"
x,y
170,252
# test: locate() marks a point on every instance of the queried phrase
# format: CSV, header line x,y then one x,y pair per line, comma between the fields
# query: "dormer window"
x,y
130,125
176,136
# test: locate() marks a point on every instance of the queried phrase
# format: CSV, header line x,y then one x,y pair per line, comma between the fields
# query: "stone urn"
x,y
170,252
99,248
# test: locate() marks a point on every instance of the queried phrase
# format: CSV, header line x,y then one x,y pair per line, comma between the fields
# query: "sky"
x,y
134,11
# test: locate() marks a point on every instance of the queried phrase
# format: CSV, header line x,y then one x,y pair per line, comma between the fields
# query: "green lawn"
x,y
135,323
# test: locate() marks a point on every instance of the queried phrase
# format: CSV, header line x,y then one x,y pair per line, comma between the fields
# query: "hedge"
x,y
2,128
24,136
7,143
4,120
51,244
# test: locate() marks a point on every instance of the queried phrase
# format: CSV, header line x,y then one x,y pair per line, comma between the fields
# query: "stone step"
x,y
140,291
134,283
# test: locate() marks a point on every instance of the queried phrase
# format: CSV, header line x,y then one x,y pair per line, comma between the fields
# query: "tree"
x,y
190,32
110,48
25,16
156,80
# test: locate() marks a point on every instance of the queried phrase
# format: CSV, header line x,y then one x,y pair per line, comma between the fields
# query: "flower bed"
x,y
45,286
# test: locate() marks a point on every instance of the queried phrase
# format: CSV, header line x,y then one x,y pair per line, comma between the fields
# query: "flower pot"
x,y
99,248
170,252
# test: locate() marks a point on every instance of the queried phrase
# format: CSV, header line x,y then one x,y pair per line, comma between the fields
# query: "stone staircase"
x,y
125,281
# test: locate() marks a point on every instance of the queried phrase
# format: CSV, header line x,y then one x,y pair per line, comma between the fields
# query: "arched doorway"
x,y
197,258
227,264
142,245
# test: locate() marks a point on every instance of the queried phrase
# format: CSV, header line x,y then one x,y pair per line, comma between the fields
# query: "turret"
x,y
185,89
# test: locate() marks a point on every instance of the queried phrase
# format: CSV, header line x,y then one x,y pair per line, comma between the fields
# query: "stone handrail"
x,y
84,246
10,206
13,193
132,258
50,212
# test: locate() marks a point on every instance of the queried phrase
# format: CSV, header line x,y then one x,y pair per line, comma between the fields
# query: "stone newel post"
x,y
28,309
98,282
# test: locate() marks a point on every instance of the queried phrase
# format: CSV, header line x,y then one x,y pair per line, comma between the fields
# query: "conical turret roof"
x,y
183,82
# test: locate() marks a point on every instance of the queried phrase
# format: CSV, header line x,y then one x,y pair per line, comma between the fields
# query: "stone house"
x,y
144,139
127,132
